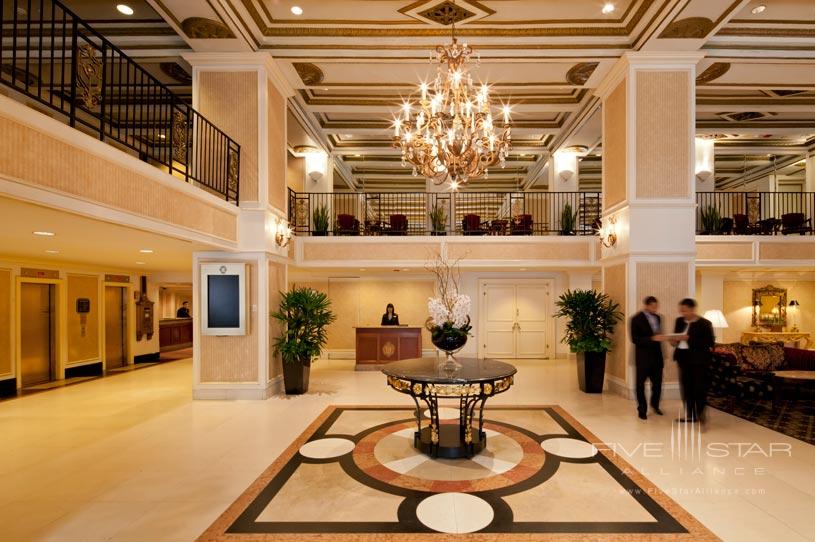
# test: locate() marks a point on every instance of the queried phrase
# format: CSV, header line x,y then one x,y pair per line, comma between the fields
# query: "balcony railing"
x,y
457,213
50,55
755,213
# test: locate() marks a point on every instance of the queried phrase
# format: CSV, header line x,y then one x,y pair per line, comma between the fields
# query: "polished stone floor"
x,y
134,458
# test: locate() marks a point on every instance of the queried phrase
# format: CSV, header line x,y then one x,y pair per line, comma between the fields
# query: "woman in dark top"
x,y
693,354
390,318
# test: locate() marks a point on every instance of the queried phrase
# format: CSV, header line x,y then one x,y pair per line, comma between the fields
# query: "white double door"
x,y
515,319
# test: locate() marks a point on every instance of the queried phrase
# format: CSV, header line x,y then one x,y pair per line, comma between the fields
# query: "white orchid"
x,y
455,310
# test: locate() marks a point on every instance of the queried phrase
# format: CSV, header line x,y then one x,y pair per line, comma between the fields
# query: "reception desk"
x,y
376,345
174,334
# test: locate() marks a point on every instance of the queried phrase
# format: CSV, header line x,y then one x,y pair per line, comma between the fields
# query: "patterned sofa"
x,y
745,372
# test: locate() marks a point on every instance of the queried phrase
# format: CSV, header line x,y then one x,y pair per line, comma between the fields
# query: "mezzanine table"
x,y
472,383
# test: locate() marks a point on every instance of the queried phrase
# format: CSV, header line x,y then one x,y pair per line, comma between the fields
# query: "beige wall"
x,y
615,280
295,172
37,158
614,147
230,101
83,347
362,301
277,284
6,342
662,134
277,148
738,297
233,359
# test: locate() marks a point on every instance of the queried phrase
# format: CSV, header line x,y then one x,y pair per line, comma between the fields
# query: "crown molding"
x,y
242,61
646,60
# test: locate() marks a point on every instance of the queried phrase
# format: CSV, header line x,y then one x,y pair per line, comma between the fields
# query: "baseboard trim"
x,y
147,358
352,354
89,369
238,391
8,387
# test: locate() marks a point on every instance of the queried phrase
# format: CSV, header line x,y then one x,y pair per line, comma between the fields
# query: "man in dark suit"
x,y
646,334
693,352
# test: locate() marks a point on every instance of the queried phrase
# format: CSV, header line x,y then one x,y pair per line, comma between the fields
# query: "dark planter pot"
x,y
295,377
320,233
591,369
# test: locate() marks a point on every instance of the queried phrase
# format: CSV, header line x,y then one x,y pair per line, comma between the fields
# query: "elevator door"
x,y
36,333
115,327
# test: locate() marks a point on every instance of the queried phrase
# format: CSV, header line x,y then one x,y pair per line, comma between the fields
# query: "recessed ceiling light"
x,y
297,10
523,268
362,269
44,233
124,9
405,269
146,251
608,7
140,263
52,251
759,9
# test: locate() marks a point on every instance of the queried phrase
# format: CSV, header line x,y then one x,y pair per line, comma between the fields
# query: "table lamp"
x,y
716,318
794,315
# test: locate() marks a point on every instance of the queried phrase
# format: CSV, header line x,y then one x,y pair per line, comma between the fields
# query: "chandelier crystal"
x,y
450,134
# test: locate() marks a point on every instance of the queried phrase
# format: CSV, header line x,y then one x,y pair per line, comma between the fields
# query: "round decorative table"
x,y
793,379
472,383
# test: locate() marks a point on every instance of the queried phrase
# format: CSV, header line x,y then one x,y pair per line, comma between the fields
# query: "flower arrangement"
x,y
449,321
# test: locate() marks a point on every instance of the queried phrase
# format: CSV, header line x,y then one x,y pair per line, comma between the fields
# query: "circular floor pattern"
x,y
445,413
570,448
388,455
326,448
455,513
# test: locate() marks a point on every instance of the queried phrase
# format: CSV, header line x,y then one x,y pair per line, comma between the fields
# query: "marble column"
x,y
245,95
649,192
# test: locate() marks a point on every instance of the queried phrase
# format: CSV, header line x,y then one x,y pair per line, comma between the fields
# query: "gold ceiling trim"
x,y
689,28
768,32
769,21
714,71
409,47
580,73
203,28
176,71
309,73
390,102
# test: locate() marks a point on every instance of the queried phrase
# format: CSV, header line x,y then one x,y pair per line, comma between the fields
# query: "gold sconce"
x,y
281,230
608,232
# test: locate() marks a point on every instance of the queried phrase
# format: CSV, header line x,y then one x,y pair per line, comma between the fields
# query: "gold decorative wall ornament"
x,y
580,73
232,170
201,28
446,13
690,28
388,349
453,135
89,76
714,71
309,73
179,137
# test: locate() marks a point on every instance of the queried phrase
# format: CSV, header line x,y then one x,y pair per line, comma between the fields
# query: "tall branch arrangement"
x,y
450,308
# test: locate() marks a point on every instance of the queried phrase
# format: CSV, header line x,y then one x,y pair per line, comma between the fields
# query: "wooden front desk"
x,y
174,334
382,344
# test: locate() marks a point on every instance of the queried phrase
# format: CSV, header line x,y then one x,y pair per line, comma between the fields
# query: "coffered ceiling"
x,y
351,62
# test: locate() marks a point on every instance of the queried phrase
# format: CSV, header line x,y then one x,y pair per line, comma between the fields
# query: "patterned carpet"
x,y
792,418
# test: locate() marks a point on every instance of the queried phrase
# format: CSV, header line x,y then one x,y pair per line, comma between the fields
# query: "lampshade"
x,y
794,303
716,318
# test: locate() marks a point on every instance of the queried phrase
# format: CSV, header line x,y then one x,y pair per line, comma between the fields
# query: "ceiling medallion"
x,y
580,73
201,28
714,71
452,136
690,28
309,73
446,13
175,71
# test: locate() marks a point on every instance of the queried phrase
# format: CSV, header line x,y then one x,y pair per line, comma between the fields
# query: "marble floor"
x,y
134,458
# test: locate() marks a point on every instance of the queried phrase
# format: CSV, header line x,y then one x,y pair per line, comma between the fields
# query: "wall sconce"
x,y
565,165
608,233
281,231
704,158
316,163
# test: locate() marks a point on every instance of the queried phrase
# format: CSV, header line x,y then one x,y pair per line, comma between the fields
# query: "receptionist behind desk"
x,y
390,318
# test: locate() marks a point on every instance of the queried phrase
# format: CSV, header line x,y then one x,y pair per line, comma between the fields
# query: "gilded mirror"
x,y
770,307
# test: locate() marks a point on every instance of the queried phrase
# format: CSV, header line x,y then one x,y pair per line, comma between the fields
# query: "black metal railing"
x,y
755,213
52,56
444,213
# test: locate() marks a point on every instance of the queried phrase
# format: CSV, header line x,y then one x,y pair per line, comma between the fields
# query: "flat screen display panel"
x,y
223,301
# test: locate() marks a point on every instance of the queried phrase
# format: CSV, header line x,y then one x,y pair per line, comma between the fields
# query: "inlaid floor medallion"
x,y
354,474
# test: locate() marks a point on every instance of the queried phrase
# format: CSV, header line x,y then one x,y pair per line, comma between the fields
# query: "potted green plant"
x,y
711,220
591,317
568,220
320,218
438,220
304,314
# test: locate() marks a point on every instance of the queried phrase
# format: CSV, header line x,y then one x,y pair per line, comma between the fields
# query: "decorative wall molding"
x,y
201,28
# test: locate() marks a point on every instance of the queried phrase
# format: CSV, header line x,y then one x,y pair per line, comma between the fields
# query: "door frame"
x,y
130,324
60,329
550,308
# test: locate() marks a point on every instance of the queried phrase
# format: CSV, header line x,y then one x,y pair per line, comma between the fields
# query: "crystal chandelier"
x,y
452,135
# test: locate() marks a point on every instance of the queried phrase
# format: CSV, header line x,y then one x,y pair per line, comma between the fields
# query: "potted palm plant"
x,y
711,220
591,317
568,220
438,220
304,314
320,218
